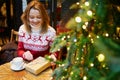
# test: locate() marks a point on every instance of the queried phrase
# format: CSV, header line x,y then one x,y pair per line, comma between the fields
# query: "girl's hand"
x,y
53,57
28,56
53,64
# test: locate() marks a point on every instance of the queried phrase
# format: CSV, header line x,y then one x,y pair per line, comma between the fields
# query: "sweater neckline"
x,y
36,29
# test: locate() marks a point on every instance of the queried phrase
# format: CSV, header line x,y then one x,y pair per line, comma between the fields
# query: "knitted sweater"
x,y
38,44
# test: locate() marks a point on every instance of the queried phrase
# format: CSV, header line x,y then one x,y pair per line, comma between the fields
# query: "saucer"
x,y
17,69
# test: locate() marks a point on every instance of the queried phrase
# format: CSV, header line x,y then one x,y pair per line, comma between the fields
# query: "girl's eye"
x,y
39,17
31,17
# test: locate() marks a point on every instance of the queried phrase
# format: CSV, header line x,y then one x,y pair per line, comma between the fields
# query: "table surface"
x,y
7,74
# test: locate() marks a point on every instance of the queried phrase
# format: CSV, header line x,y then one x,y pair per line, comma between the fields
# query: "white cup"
x,y
17,63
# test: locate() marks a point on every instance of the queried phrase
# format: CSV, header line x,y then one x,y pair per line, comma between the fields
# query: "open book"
x,y
38,65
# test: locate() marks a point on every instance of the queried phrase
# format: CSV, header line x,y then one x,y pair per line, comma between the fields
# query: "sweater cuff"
x,y
56,54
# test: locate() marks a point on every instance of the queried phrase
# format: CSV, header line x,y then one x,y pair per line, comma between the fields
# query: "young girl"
x,y
35,35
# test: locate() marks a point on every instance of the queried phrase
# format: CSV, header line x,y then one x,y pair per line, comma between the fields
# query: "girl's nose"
x,y
35,20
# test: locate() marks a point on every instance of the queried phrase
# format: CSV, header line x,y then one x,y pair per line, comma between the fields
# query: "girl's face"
x,y
35,18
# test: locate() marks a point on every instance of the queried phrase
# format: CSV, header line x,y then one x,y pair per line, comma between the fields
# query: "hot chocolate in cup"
x,y
17,63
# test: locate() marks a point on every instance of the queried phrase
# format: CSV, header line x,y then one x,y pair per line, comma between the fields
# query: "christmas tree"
x,y
92,42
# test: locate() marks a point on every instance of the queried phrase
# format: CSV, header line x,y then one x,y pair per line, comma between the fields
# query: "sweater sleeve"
x,y
21,49
52,36
56,54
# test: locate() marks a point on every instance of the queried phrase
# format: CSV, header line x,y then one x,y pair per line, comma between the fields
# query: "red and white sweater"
x,y
38,44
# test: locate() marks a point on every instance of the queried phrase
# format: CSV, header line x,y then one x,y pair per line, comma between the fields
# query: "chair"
x,y
4,35
14,35
9,50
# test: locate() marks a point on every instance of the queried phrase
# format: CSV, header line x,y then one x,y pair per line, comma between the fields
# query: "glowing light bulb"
x,y
63,78
92,41
68,36
77,3
87,3
58,49
91,64
106,34
75,40
78,19
71,73
89,35
89,13
97,36
68,48
103,65
101,57
62,39
84,27
77,58
85,78
63,65
86,23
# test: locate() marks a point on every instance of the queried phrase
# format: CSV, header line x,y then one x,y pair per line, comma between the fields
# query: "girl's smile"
x,y
35,18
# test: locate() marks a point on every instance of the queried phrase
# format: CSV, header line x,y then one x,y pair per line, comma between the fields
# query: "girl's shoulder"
x,y
51,29
22,29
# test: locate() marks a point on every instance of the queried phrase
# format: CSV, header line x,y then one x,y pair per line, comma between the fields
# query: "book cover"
x,y
38,65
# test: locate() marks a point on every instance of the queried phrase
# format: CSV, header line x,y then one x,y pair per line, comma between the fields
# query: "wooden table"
x,y
7,74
